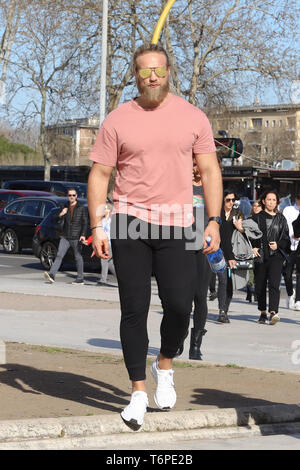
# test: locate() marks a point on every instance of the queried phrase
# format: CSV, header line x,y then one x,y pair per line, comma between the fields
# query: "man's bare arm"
x,y
211,178
97,193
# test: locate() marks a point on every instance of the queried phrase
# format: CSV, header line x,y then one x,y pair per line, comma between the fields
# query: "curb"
x,y
76,432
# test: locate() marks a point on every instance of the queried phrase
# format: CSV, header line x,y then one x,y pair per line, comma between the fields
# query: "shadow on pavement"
x,y
113,344
64,385
224,399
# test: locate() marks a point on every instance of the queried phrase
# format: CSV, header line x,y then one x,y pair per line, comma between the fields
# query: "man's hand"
x,y
100,243
63,212
83,240
212,230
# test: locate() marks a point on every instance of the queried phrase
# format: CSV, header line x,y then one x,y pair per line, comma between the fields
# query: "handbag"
x,y
243,262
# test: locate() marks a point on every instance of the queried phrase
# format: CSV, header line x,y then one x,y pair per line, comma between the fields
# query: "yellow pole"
x,y
161,21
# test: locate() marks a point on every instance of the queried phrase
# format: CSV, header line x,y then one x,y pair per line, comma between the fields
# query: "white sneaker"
x,y
165,395
291,301
297,306
274,318
133,414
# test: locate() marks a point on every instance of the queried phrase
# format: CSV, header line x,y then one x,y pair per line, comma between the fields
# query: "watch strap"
x,y
215,219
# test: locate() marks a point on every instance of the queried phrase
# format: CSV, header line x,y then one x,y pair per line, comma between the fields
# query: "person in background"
x,y
106,263
74,231
270,252
203,269
231,219
255,209
213,294
293,301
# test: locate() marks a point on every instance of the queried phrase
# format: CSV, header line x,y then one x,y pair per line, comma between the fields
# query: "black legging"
x,y
200,301
175,270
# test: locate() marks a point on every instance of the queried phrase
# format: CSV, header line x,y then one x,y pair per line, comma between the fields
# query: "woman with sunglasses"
x,y
231,219
270,252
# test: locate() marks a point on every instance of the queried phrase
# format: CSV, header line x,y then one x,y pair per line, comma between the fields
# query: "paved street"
x,y
243,342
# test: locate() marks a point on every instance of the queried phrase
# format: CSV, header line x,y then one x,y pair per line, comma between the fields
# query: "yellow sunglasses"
x,y
159,71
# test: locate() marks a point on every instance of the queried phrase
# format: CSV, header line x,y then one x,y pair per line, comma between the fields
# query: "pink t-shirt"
x,y
152,150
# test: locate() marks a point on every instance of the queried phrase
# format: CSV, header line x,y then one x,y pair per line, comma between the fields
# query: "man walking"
x,y
74,230
151,140
293,302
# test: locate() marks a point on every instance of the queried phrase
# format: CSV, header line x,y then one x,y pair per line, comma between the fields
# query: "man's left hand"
x,y
213,231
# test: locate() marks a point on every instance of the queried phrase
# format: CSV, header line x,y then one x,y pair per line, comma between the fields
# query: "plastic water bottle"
x,y
216,260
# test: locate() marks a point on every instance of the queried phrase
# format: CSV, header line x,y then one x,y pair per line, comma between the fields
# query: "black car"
x,y
19,219
60,188
9,195
46,240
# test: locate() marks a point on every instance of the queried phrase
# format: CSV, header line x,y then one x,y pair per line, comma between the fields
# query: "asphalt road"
x,y
27,264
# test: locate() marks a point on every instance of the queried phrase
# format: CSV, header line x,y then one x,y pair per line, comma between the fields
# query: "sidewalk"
x,y
246,366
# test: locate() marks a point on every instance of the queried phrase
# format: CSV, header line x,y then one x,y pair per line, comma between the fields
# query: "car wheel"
x,y
10,241
48,254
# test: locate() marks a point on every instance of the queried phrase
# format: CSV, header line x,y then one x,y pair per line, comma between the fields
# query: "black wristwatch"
x,y
216,219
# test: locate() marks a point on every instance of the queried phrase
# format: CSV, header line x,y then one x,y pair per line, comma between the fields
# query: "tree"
x,y
45,61
10,16
221,52
221,49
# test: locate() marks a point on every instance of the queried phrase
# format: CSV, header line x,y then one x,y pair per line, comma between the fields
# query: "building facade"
x,y
270,133
70,142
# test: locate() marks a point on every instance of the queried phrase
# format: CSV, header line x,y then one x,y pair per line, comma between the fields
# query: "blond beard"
x,y
152,97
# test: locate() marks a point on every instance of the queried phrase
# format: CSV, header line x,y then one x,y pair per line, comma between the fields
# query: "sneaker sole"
x,y
48,278
132,424
274,320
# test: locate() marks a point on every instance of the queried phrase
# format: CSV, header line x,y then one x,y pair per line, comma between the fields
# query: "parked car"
x,y
60,188
19,219
9,195
46,240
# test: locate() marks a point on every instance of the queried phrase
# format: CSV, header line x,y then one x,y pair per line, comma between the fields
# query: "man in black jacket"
x,y
74,230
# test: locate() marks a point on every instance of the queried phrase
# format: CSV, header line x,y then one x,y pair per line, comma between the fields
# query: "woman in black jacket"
x,y
270,253
230,221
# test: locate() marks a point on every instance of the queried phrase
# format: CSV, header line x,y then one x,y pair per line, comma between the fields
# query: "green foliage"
x,y
7,147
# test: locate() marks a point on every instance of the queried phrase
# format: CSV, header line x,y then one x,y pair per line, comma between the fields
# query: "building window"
x,y
265,150
273,123
245,124
239,124
280,123
257,123
266,123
